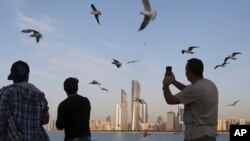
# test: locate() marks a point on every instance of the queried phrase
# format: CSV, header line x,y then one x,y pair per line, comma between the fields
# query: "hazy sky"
x,y
75,45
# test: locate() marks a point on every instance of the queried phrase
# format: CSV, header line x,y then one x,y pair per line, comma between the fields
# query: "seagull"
x,y
104,89
139,100
189,50
96,13
145,134
36,34
94,82
232,56
233,104
148,14
221,65
133,61
117,63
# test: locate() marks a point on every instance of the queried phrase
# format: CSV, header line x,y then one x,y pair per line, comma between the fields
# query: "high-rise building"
x,y
170,120
121,122
51,125
135,112
179,123
124,110
118,117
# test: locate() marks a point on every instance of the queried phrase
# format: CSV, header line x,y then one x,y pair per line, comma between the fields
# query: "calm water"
x,y
118,136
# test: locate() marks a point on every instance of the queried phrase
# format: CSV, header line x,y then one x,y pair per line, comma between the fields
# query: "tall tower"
x,y
170,120
124,110
121,113
135,112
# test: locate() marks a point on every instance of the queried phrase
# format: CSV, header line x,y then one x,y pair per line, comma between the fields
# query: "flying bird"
x,y
233,104
221,65
96,13
149,15
36,34
117,63
139,100
232,56
104,89
189,50
145,134
132,61
94,82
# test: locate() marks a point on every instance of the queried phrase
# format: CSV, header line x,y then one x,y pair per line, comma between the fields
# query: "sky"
x,y
74,45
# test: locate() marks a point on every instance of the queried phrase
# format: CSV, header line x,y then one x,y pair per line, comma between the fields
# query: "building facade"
x,y
135,111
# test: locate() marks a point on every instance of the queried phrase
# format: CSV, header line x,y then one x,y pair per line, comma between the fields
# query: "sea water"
x,y
133,136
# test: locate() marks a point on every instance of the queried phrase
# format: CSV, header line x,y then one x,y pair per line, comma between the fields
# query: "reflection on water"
x,y
131,136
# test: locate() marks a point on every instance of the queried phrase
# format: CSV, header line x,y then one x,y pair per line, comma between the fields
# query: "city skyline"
x,y
74,45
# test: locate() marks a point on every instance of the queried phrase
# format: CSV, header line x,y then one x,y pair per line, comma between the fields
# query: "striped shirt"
x,y
23,111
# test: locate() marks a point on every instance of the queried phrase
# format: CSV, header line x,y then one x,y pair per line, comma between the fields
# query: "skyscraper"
x,y
124,110
170,120
121,114
135,112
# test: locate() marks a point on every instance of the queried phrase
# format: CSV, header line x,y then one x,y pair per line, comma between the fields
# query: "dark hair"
x,y
71,85
195,66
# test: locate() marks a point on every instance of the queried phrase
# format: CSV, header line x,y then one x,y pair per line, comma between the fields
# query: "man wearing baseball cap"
x,y
23,108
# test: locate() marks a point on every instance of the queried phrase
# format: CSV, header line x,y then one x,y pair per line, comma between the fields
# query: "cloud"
x,y
39,22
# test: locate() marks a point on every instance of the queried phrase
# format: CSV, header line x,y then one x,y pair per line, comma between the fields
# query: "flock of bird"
x,y
149,15
231,56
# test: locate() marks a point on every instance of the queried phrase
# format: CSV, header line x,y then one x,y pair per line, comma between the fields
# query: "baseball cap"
x,y
19,70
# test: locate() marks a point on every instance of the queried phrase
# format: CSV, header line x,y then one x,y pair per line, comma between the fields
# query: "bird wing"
x,y
28,30
235,53
104,89
226,59
146,5
38,38
115,61
97,18
145,22
93,7
216,66
236,102
192,47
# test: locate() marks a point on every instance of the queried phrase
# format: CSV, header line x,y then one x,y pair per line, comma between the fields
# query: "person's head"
x,y
194,69
71,85
19,72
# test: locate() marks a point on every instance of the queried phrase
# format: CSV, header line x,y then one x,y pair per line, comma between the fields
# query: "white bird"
x,y
133,61
104,89
96,13
232,56
94,82
117,63
36,34
189,50
149,15
221,65
233,104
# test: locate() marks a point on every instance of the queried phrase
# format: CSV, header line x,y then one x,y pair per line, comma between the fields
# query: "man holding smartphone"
x,y
200,100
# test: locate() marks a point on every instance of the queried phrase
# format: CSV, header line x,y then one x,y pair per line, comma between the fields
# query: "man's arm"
x,y
178,85
169,97
60,118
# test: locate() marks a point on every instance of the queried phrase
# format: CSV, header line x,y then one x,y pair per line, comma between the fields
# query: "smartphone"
x,y
168,70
